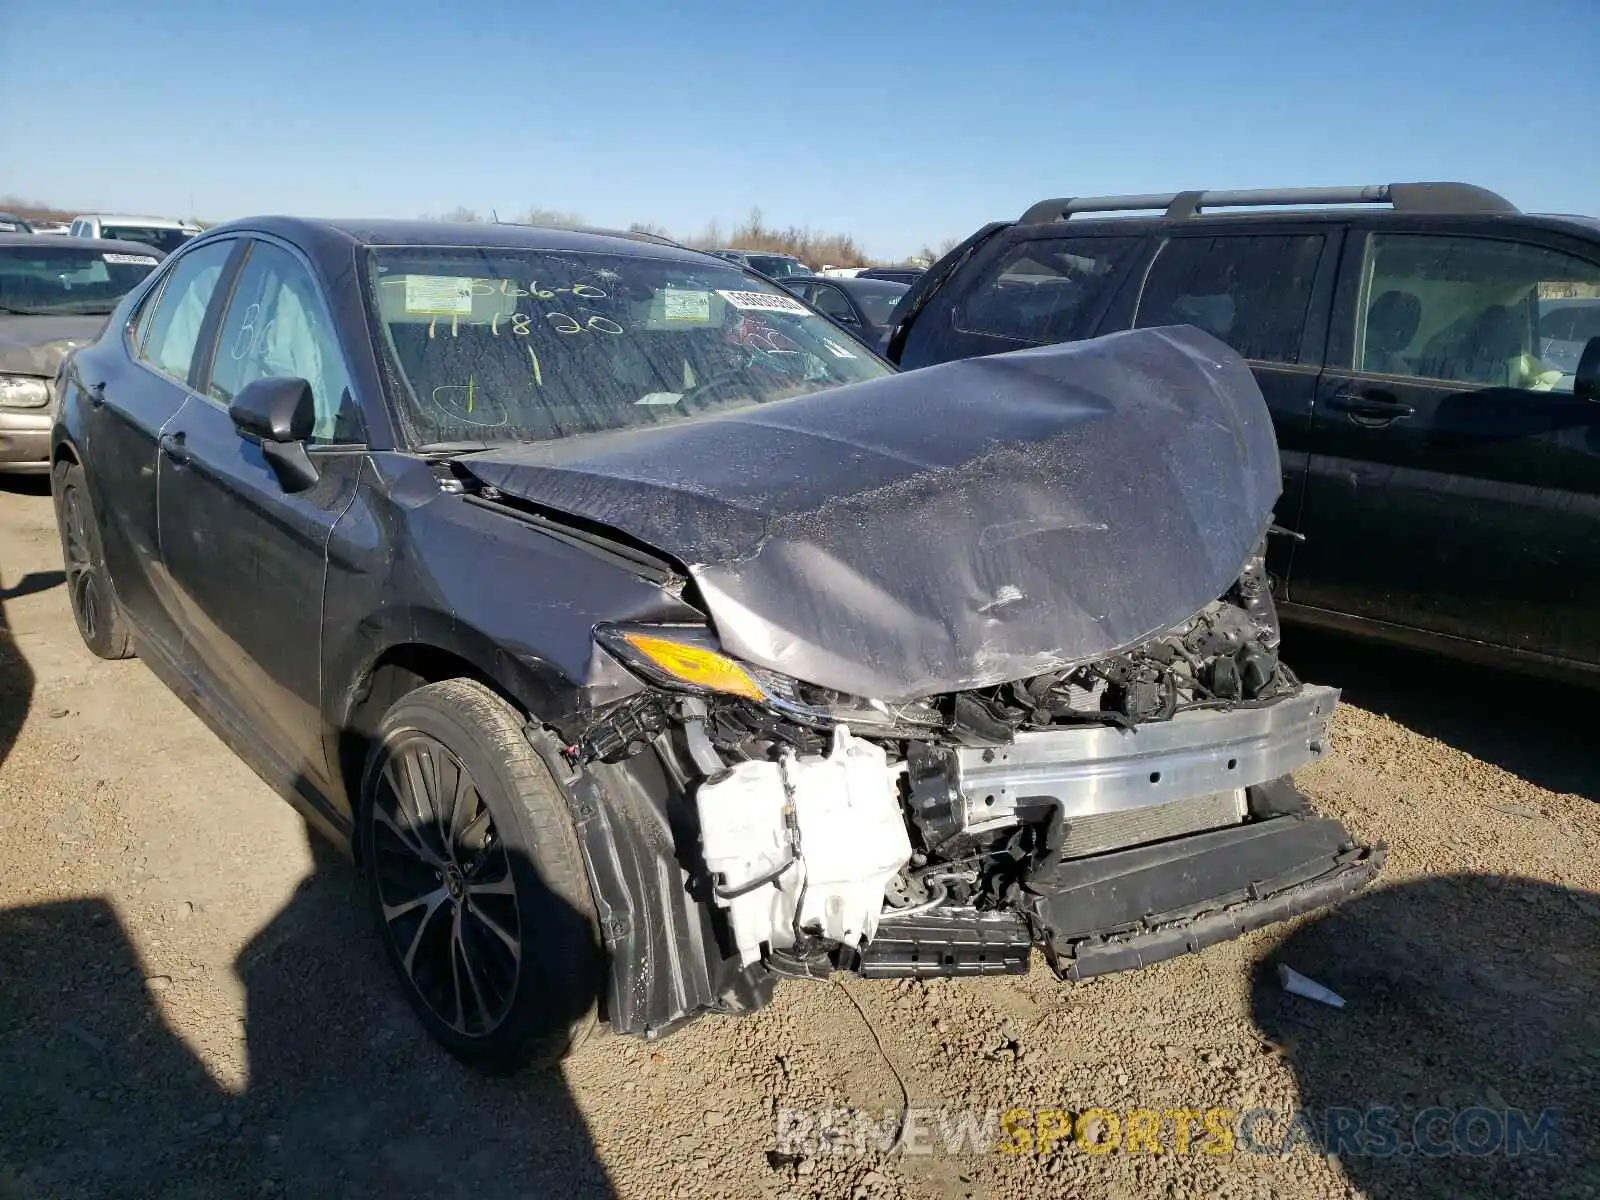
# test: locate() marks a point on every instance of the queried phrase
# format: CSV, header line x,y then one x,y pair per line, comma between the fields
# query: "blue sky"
x,y
902,123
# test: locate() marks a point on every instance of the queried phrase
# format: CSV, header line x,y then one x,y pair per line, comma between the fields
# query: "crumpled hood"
x,y
36,345
953,527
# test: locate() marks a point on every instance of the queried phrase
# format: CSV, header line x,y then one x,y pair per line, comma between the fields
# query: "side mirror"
x,y
275,410
1586,380
279,413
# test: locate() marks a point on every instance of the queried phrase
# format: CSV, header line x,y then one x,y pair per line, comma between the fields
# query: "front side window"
x,y
278,326
501,345
163,239
1249,291
831,302
877,298
58,278
174,326
1044,290
1476,311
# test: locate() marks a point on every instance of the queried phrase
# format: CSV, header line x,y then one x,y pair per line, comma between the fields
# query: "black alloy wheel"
x,y
449,901
89,591
477,879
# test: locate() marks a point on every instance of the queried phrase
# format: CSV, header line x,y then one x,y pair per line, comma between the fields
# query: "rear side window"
x,y
1044,290
1251,292
174,326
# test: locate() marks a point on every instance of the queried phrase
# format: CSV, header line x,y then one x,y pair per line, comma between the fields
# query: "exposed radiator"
x,y
1096,833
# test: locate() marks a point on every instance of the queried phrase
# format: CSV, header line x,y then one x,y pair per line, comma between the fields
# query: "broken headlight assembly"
x,y
687,658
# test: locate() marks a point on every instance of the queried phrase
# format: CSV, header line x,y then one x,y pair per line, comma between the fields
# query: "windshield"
x,y
500,345
59,277
877,297
776,266
164,240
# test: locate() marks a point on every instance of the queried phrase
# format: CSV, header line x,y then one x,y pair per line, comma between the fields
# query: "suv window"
x,y
1475,311
1251,291
277,325
174,327
1044,289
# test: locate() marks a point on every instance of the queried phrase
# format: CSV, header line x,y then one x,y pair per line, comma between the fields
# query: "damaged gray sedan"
x,y
648,640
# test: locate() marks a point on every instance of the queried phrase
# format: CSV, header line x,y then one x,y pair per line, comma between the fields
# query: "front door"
x,y
1454,485
132,391
246,558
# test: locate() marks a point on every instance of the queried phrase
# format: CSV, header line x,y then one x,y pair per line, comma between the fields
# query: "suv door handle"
x,y
175,447
1373,404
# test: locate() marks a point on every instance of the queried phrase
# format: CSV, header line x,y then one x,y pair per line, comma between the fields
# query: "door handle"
x,y
97,394
175,447
1372,404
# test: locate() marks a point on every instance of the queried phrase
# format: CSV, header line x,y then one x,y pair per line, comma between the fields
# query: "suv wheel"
x,y
477,880
94,604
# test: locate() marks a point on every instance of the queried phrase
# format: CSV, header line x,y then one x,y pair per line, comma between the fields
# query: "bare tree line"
x,y
813,247
818,249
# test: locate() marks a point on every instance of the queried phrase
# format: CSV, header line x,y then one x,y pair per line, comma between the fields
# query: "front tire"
x,y
477,880
94,603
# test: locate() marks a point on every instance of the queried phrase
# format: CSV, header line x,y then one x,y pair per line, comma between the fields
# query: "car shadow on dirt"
x,y
1456,1018
1536,729
16,676
345,1097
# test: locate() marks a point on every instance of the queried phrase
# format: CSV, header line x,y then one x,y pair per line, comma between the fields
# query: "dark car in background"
x,y
1428,354
905,275
861,305
649,641
11,223
54,296
770,264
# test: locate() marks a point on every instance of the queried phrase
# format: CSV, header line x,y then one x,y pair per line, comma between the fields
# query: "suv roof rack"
x,y
1405,197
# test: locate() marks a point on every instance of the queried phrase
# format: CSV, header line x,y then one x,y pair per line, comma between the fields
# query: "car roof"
x,y
1079,225
129,219
318,235
105,245
857,283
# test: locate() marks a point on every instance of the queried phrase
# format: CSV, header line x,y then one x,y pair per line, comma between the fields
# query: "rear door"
x,y
1266,293
1027,287
1454,486
133,389
247,559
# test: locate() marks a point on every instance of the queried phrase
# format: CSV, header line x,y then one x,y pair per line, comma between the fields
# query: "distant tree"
x,y
551,218
463,216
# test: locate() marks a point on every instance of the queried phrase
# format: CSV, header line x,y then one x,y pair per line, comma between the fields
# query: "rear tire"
x,y
477,880
94,602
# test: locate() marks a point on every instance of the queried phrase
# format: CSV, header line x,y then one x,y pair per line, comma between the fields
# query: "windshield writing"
x,y
509,345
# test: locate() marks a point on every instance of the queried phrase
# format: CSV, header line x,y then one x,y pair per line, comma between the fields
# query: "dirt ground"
x,y
192,1003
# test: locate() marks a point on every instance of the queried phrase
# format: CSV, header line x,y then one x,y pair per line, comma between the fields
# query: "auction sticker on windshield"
x,y
139,260
678,304
763,302
438,296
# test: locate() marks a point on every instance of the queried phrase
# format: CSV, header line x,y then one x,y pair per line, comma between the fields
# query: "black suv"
x,y
1428,354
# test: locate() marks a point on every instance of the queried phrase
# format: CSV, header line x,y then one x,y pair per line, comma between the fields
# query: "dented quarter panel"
x,y
950,528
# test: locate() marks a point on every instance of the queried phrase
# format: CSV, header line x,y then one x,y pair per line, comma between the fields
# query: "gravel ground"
x,y
191,1003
